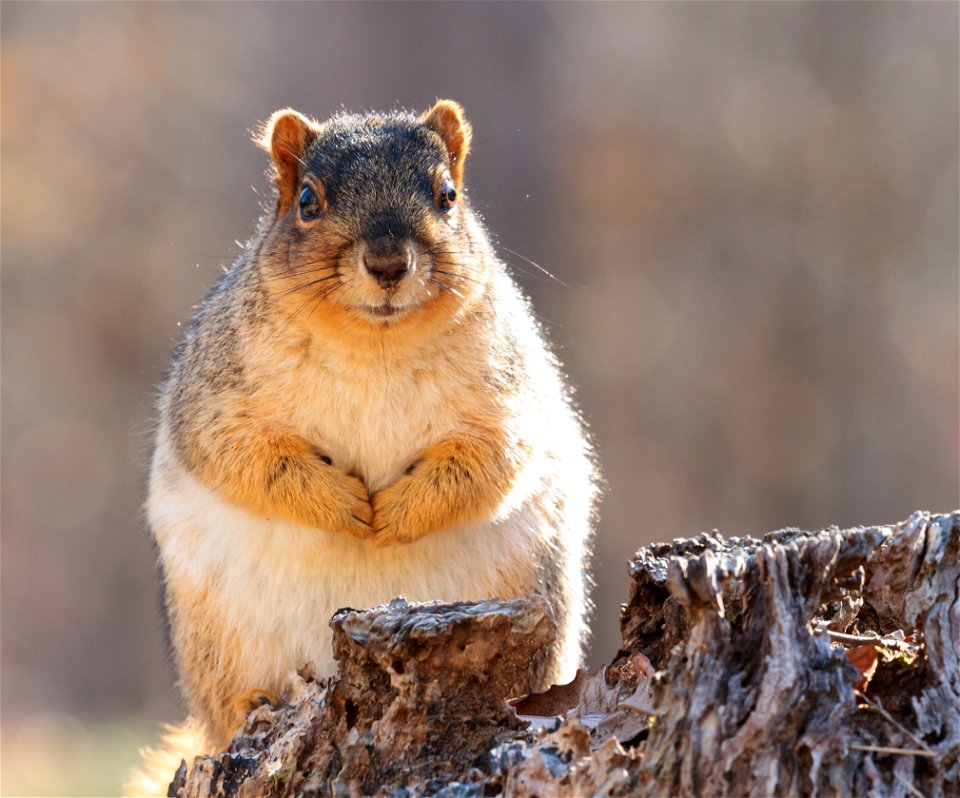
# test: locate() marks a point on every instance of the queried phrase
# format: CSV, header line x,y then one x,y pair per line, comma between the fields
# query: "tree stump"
x,y
804,663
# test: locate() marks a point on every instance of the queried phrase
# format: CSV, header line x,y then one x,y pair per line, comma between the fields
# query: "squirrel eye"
x,y
309,204
448,196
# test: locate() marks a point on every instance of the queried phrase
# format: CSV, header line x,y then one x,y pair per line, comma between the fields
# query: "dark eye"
x,y
309,203
448,196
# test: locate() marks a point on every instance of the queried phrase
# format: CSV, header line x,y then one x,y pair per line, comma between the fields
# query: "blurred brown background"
x,y
752,210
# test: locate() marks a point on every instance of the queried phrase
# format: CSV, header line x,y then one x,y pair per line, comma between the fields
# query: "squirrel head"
x,y
371,225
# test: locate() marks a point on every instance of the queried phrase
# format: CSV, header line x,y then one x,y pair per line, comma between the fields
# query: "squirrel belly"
x,y
253,597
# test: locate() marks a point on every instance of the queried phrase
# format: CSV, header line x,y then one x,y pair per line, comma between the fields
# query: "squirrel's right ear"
x,y
447,120
286,136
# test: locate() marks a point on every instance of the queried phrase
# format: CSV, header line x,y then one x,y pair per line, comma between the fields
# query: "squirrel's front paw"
x,y
356,517
393,519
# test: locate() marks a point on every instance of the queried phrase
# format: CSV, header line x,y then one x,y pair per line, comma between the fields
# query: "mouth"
x,y
384,311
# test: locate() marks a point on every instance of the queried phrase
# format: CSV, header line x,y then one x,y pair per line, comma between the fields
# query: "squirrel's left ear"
x,y
447,120
286,136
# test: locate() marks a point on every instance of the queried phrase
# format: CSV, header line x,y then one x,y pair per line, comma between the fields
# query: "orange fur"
x,y
285,136
212,678
447,119
463,477
248,701
274,473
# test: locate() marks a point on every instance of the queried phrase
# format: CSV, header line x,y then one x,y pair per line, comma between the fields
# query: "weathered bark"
x,y
754,691
420,695
756,701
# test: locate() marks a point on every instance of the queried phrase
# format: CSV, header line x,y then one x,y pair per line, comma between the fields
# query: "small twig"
x,y
843,637
883,749
886,642
878,707
908,785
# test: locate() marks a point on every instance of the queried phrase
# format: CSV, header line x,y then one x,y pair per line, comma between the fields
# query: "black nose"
x,y
388,262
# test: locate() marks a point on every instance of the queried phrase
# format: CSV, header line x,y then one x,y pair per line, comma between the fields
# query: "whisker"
x,y
302,273
534,264
304,286
446,287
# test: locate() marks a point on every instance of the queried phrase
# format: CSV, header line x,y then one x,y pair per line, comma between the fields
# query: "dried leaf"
x,y
620,711
557,700
596,697
629,715
864,659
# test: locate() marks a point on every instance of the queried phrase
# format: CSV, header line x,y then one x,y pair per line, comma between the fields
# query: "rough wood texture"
x,y
420,695
756,702
754,692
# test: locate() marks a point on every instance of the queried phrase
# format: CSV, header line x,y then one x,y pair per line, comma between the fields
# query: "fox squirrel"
x,y
363,407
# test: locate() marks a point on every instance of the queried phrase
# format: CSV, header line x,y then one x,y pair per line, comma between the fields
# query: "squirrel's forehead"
x,y
344,155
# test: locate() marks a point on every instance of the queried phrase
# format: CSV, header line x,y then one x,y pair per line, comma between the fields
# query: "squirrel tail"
x,y
158,765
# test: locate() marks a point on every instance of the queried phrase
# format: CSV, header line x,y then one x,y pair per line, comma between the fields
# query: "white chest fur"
x,y
273,585
374,417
